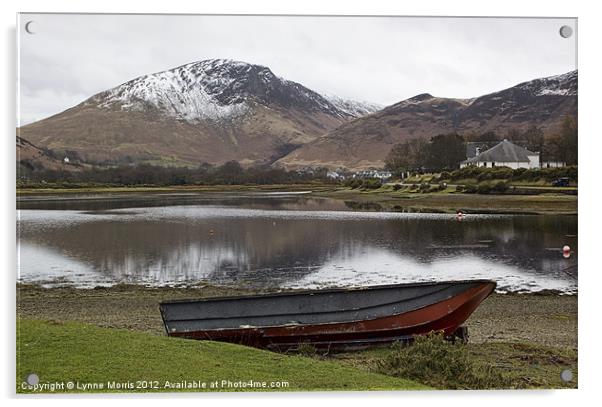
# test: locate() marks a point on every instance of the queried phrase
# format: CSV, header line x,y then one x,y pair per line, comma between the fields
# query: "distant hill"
x,y
31,157
366,141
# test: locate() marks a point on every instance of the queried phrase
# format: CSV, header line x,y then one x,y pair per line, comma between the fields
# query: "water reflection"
x,y
268,246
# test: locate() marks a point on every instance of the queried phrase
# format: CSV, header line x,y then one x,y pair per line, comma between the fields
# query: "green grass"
x,y
433,360
54,189
448,201
80,353
493,365
384,198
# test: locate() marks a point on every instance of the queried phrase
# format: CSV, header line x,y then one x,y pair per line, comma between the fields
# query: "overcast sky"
x,y
377,59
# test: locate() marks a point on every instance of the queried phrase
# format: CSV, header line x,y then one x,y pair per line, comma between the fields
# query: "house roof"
x,y
505,152
471,147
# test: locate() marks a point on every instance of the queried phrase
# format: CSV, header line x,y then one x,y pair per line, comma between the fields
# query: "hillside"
x,y
366,141
209,111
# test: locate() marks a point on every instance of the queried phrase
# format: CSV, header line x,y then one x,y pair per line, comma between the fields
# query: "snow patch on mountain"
x,y
221,89
353,108
188,93
558,85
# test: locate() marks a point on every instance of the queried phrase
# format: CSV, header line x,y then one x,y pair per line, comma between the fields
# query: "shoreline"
x,y
528,339
382,199
539,318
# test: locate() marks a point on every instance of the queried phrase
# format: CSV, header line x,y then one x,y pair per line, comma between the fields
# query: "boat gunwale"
x,y
294,292
316,312
260,328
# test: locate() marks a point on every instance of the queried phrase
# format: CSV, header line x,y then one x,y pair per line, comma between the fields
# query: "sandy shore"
x,y
548,319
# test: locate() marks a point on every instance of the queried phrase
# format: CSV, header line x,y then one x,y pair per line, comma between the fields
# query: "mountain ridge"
x,y
364,142
207,111
220,110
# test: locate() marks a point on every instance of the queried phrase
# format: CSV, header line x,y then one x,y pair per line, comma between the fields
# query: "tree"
x,y
534,138
488,136
562,146
514,135
230,172
446,151
406,156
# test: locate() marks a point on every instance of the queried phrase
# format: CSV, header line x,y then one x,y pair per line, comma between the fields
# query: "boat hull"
x,y
329,318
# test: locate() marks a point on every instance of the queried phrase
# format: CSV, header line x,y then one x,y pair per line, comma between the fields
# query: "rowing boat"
x,y
332,318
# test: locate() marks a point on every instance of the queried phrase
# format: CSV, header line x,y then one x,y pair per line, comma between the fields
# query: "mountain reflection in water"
x,y
289,242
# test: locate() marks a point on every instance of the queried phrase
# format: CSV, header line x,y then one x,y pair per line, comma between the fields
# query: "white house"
x,y
504,154
382,175
335,175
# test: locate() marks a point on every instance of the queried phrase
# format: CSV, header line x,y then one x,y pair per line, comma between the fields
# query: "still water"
x,y
283,240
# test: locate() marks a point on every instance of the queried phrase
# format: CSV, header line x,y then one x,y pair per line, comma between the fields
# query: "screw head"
x,y
566,31
33,379
566,375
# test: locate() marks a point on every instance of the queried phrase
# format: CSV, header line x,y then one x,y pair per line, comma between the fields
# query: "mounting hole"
x,y
33,379
566,31
566,375
29,27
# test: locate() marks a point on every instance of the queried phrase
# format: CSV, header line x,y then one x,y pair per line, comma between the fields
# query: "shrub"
x,y
483,188
306,349
353,183
470,189
371,183
500,187
519,174
397,187
485,176
439,363
424,187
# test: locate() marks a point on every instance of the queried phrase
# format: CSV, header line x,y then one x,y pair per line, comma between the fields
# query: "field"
x,y
97,359
516,341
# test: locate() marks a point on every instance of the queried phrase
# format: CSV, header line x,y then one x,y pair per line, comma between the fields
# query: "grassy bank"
x,y
493,365
381,199
60,352
448,201
549,320
528,339
168,189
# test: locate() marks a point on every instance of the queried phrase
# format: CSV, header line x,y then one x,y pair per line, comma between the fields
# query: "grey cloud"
x,y
382,60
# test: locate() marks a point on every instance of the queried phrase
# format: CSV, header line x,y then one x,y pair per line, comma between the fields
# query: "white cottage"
x,y
504,154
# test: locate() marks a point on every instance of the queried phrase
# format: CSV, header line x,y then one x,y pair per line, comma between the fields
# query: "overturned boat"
x,y
333,318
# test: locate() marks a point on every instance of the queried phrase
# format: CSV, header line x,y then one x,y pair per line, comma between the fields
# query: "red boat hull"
x,y
446,316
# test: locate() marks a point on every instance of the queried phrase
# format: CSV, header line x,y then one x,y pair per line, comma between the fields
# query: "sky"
x,y
70,57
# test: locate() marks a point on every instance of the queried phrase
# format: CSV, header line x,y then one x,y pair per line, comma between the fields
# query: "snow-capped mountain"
x,y
220,110
560,85
213,110
221,89
365,142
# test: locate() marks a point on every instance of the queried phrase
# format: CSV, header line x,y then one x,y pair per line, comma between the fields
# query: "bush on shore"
x,y
508,174
434,361
367,183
